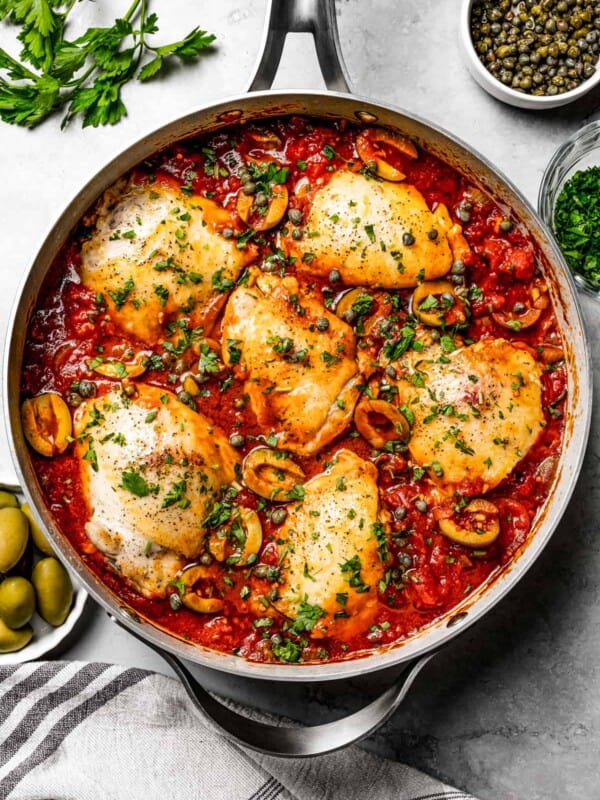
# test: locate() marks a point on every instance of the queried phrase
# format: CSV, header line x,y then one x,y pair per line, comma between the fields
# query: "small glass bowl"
x,y
579,152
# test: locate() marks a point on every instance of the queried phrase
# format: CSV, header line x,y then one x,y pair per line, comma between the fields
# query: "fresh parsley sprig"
x,y
86,75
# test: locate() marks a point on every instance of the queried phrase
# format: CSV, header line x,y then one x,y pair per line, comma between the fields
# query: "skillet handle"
x,y
301,16
283,741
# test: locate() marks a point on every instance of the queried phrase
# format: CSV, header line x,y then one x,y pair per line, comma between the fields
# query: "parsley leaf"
x,y
85,76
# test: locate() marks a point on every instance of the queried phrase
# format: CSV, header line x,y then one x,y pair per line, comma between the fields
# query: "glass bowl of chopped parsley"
x,y
569,203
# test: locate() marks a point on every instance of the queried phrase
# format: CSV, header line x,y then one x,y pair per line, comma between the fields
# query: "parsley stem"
x,y
133,8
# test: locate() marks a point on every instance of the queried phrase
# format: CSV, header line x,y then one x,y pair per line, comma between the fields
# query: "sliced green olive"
x,y
267,139
551,353
431,300
217,545
53,590
517,322
14,533
113,368
191,598
37,535
276,207
253,533
11,641
17,601
371,146
379,422
271,473
350,304
47,423
481,525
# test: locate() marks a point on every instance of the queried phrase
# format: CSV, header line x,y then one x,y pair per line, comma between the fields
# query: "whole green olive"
x,y
14,533
38,536
8,500
11,641
53,590
17,601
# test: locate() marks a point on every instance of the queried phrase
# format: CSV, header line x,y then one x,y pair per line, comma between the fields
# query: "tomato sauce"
x,y
426,574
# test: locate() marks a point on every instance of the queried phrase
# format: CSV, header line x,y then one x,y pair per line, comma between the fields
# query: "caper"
x,y
261,199
8,500
506,225
17,601
405,560
408,239
130,390
261,570
296,234
519,308
87,388
249,188
350,316
276,639
237,440
458,267
335,276
322,324
239,403
227,233
186,398
400,512
14,533
295,216
273,595
278,516
53,590
11,641
463,214
175,601
206,559
432,234
391,371
421,505
548,35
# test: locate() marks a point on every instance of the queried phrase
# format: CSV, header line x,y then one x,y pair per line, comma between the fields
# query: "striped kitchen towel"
x,y
88,731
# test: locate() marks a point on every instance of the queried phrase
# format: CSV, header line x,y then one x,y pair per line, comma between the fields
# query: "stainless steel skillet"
x,y
318,18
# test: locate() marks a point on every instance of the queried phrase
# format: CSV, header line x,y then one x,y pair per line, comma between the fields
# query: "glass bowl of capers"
x,y
532,54
569,204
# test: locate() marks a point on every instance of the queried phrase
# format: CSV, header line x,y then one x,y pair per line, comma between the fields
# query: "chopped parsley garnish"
x,y
297,493
306,618
208,363
176,494
577,223
329,359
220,283
136,484
120,296
234,351
162,293
287,651
351,571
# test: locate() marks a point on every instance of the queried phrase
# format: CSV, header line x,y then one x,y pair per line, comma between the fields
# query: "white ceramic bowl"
x,y
501,92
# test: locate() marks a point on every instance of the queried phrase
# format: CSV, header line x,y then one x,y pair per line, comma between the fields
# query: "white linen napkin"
x,y
90,731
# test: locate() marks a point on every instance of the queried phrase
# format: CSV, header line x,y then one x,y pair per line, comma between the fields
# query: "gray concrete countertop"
x,y
511,710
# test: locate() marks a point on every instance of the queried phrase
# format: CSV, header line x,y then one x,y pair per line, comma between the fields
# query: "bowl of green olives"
x,y
534,54
39,604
